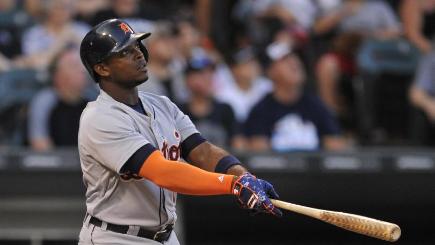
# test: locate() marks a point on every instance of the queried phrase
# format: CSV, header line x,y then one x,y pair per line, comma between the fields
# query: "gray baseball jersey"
x,y
110,132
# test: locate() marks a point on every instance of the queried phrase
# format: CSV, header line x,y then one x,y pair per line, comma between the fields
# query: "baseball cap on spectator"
x,y
274,52
241,56
198,62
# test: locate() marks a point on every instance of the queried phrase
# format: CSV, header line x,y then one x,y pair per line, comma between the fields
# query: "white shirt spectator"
x,y
240,100
38,39
373,16
305,12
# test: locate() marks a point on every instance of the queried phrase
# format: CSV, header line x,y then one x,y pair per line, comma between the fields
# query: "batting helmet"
x,y
106,39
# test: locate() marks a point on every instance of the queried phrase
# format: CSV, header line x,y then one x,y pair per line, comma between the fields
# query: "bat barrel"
x,y
363,225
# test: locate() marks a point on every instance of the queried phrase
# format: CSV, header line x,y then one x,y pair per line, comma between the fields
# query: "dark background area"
x,y
42,199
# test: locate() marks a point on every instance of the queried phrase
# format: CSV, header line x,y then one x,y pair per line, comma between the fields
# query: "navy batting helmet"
x,y
106,39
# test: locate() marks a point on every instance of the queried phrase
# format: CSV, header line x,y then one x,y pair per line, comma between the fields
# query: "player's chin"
x,y
141,79
142,76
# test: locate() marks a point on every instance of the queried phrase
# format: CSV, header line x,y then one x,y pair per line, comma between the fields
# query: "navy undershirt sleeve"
x,y
190,143
135,162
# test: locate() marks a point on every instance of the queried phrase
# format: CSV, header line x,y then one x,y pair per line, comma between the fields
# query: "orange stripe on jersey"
x,y
184,178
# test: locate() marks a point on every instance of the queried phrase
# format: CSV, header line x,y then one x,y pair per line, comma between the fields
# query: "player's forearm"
x,y
207,156
184,178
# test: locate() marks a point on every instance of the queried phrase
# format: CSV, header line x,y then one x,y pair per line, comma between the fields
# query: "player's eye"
x,y
126,52
130,50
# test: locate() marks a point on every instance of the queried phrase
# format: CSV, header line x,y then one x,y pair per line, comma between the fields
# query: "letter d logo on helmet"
x,y
106,39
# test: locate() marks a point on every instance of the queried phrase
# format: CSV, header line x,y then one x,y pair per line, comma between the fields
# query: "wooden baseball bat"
x,y
356,223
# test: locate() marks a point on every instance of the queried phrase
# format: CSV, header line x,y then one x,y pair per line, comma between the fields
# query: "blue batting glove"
x,y
253,194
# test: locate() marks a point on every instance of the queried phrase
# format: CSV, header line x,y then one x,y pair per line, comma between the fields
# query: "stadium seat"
x,y
17,88
385,71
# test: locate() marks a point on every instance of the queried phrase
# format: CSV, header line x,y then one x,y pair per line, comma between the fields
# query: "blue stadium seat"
x,y
17,88
385,71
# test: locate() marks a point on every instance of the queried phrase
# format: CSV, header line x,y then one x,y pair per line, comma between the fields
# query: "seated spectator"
x,y
188,40
335,72
165,73
34,8
418,19
215,121
373,19
54,112
297,16
290,118
245,86
422,96
86,9
188,45
56,31
129,10
13,21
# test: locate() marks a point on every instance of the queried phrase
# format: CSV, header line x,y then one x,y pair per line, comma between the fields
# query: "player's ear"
x,y
102,70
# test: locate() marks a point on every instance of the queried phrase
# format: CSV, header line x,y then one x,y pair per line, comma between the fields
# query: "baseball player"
x,y
130,146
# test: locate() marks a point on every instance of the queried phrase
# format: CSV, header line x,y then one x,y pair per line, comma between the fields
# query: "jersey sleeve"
x,y
111,138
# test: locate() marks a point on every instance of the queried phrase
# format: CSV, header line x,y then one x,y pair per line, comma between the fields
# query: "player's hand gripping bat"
x,y
356,223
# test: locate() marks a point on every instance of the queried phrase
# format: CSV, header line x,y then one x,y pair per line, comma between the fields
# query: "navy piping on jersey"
x,y
135,162
190,143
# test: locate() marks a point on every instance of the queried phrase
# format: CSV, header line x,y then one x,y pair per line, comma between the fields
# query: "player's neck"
x,y
127,96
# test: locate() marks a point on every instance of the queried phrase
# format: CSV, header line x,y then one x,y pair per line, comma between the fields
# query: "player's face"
x,y
128,67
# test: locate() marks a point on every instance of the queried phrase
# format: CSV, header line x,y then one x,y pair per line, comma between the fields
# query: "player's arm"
x,y
251,193
149,163
203,154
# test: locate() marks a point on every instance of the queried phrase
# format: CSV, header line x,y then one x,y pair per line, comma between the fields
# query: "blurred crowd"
x,y
280,75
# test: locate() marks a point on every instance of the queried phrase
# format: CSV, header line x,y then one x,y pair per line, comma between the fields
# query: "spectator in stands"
x,y
296,15
165,71
418,19
12,23
245,86
86,9
55,111
335,72
216,121
129,10
188,45
188,39
56,31
295,12
34,8
422,96
290,118
373,18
